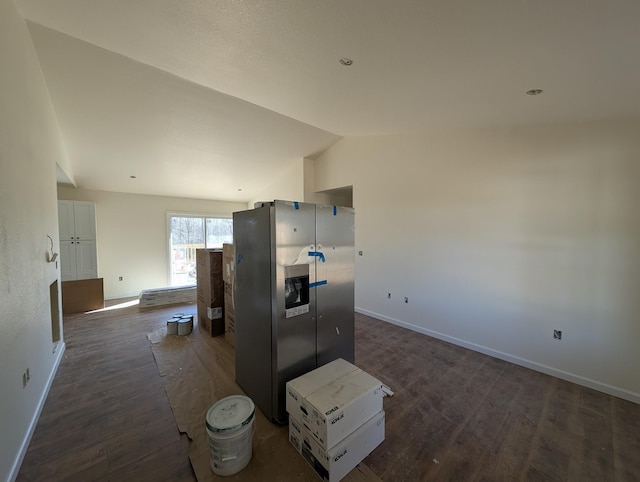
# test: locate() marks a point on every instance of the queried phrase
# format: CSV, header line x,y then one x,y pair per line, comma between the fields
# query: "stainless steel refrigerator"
x,y
294,295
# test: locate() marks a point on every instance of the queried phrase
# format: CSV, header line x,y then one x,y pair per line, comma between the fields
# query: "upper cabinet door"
x,y
66,220
76,220
85,220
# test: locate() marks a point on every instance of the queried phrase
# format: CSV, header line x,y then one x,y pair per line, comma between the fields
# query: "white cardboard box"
x,y
334,410
303,386
333,464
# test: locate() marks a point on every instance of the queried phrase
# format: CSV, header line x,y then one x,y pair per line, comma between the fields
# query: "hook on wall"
x,y
53,255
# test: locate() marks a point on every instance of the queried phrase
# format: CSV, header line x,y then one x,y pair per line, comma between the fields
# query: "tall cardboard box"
x,y
210,291
228,277
230,326
228,257
228,296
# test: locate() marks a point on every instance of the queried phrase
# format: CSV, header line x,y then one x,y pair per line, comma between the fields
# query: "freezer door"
x,y
294,327
255,253
335,283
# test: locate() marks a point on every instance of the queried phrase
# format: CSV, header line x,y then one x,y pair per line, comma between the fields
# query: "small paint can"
x,y
185,325
172,327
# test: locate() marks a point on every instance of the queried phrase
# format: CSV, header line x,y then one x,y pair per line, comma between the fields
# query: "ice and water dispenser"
x,y
296,289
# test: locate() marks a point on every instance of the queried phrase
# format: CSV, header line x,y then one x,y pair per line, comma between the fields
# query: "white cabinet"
x,y
86,259
68,270
66,220
77,220
77,226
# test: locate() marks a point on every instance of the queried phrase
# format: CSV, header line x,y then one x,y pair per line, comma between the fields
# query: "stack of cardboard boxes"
x,y
335,417
228,260
210,291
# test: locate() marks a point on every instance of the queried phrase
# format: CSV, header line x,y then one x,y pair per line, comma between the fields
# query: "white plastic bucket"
x,y
230,427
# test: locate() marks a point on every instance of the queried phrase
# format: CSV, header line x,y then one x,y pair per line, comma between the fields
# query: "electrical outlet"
x,y
557,334
406,300
389,295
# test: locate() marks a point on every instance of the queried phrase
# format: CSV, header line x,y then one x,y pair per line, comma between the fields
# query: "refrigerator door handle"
x,y
318,254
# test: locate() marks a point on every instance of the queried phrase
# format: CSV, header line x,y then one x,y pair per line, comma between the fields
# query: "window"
x,y
188,233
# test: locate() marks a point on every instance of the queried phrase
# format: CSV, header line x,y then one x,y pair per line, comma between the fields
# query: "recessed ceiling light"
x,y
345,61
132,177
534,92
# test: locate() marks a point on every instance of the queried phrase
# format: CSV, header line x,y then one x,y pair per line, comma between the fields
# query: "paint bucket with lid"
x,y
185,325
172,326
230,427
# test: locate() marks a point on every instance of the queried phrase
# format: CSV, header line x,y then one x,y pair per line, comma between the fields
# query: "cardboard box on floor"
x,y
230,326
333,464
228,257
228,277
332,410
211,320
210,291
228,296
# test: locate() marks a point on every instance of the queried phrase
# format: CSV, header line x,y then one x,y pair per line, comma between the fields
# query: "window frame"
x,y
186,214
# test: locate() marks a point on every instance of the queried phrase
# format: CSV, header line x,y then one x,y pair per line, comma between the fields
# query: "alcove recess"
x,y
55,312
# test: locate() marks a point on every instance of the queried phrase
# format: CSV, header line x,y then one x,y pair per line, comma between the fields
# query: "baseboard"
x,y
571,377
60,348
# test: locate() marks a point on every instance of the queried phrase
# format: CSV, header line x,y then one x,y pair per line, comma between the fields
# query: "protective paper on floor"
x,y
197,371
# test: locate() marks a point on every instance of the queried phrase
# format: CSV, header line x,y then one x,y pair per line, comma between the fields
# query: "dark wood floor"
x,y
456,415
107,416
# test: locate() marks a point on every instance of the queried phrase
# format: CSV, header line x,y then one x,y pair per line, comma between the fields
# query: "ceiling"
x,y
211,99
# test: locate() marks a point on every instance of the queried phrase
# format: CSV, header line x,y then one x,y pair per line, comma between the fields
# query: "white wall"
x,y
500,236
342,196
30,146
289,186
132,235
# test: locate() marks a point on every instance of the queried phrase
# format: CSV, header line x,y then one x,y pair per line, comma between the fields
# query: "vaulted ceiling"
x,y
211,99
